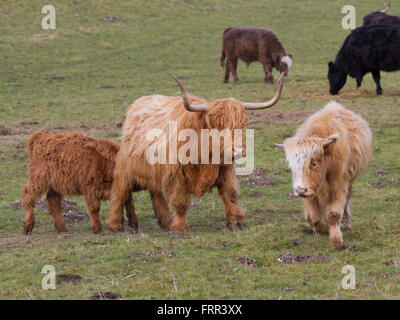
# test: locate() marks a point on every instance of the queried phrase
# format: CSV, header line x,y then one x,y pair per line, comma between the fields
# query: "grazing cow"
x,y
380,17
253,44
174,181
326,155
367,49
73,164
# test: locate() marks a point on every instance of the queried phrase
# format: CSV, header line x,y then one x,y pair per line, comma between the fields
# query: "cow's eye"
x,y
313,165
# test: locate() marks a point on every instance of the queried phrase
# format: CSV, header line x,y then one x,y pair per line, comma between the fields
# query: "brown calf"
x,y
253,44
73,164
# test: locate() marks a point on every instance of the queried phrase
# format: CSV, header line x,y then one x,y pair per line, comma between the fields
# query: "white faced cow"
x,y
326,155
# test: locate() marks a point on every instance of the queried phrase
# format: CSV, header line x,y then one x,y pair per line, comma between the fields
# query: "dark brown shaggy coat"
x,y
253,44
73,164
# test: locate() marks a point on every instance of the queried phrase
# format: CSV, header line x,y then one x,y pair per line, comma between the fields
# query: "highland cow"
x,y
366,49
73,164
172,183
326,155
253,44
380,17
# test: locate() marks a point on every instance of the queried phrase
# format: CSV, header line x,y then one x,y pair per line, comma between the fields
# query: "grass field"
x,y
105,54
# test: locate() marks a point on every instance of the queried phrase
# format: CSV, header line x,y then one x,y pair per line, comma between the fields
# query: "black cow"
x,y
367,49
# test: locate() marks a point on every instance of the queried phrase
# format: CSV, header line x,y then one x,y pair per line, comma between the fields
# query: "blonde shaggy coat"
x,y
172,184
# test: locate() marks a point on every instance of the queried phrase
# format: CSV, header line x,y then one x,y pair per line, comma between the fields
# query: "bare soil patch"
x,y
247,261
290,258
158,253
383,182
105,296
69,278
258,178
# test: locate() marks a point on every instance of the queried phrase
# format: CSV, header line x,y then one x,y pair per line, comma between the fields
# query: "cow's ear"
x,y
105,149
331,65
329,140
290,55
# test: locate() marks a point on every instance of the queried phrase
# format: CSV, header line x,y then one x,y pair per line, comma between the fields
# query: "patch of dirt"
x,y
158,253
387,181
70,209
5,131
258,178
276,116
69,278
105,296
290,258
44,36
379,275
247,261
380,173
107,87
94,243
256,194
183,235
57,78
307,231
111,18
75,217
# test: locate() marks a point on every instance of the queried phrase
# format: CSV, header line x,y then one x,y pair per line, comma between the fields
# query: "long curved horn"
x,y
268,104
188,106
387,8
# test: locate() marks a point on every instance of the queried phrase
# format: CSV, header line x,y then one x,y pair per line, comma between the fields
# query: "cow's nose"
x,y
300,191
239,153
244,152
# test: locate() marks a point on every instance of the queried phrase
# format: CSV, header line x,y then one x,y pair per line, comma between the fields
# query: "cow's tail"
x,y
222,59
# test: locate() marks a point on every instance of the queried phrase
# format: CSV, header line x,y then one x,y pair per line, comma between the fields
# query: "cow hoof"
x,y
226,81
379,91
28,228
62,229
237,82
240,226
134,226
116,228
163,225
97,230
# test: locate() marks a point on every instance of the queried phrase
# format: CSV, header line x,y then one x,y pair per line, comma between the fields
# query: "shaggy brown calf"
x,y
73,164
253,44
326,155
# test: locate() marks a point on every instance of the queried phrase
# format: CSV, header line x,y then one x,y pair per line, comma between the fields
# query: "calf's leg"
x,y
179,198
232,62
226,77
229,192
54,200
335,211
161,210
131,214
269,78
314,215
93,205
377,78
346,220
30,196
120,192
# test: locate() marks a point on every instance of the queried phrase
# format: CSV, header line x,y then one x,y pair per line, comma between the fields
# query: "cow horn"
x,y
268,104
387,7
279,145
327,143
188,106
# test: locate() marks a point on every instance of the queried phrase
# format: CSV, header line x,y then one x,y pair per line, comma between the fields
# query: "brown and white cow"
x,y
326,155
253,44
172,183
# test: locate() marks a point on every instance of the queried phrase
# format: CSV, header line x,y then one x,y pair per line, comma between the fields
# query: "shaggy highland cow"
x,y
381,17
326,155
253,44
367,49
173,182
73,164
